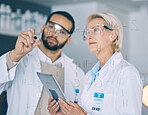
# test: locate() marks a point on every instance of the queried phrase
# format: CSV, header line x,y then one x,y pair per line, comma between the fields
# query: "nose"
x,y
89,37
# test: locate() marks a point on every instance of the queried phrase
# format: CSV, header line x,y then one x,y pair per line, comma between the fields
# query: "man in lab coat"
x,y
25,92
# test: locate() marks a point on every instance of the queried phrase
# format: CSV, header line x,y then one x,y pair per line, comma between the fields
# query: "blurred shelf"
x,y
13,33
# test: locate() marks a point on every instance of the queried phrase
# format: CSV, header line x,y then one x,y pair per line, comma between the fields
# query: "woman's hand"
x,y
70,108
53,107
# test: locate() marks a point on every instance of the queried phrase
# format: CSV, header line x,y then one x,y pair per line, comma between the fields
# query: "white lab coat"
x,y
24,87
122,88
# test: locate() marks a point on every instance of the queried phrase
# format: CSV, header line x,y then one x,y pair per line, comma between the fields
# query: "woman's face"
x,y
97,36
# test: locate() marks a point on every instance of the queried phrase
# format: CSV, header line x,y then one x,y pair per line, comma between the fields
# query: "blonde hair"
x,y
112,22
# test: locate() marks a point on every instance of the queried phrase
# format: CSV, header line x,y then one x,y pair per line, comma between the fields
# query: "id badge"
x,y
98,101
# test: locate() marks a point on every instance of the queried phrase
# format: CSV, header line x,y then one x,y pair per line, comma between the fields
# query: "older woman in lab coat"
x,y
113,86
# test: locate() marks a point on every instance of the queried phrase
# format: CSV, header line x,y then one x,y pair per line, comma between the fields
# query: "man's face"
x,y
52,40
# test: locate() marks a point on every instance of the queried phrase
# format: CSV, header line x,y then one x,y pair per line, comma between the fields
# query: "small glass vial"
x,y
76,95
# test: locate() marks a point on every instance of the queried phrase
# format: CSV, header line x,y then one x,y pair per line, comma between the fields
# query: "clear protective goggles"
x,y
57,29
95,30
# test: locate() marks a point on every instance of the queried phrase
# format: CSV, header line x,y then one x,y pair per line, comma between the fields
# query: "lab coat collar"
x,y
39,55
113,63
44,58
95,71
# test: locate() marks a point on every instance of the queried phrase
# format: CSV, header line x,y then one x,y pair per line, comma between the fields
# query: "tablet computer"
x,y
51,85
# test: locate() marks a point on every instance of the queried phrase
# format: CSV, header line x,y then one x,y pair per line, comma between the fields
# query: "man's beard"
x,y
54,47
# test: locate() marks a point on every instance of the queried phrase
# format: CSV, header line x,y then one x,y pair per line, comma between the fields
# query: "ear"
x,y
42,28
114,35
68,41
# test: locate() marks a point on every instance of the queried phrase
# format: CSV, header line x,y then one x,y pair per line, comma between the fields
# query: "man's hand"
x,y
71,108
53,107
24,45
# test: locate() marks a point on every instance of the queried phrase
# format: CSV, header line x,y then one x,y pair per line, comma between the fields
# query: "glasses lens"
x,y
94,30
50,27
60,31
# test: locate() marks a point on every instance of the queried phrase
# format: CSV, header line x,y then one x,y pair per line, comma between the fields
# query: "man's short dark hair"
x,y
65,14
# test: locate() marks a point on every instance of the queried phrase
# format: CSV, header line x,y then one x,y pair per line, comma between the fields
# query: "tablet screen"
x,y
51,85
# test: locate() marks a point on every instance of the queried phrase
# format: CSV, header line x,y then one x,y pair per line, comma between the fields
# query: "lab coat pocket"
x,y
108,104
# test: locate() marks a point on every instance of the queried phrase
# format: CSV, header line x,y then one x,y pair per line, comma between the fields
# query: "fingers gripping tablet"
x,y
54,94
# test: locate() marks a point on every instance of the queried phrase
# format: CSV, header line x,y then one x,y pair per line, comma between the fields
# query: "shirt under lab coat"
x,y
24,87
116,91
